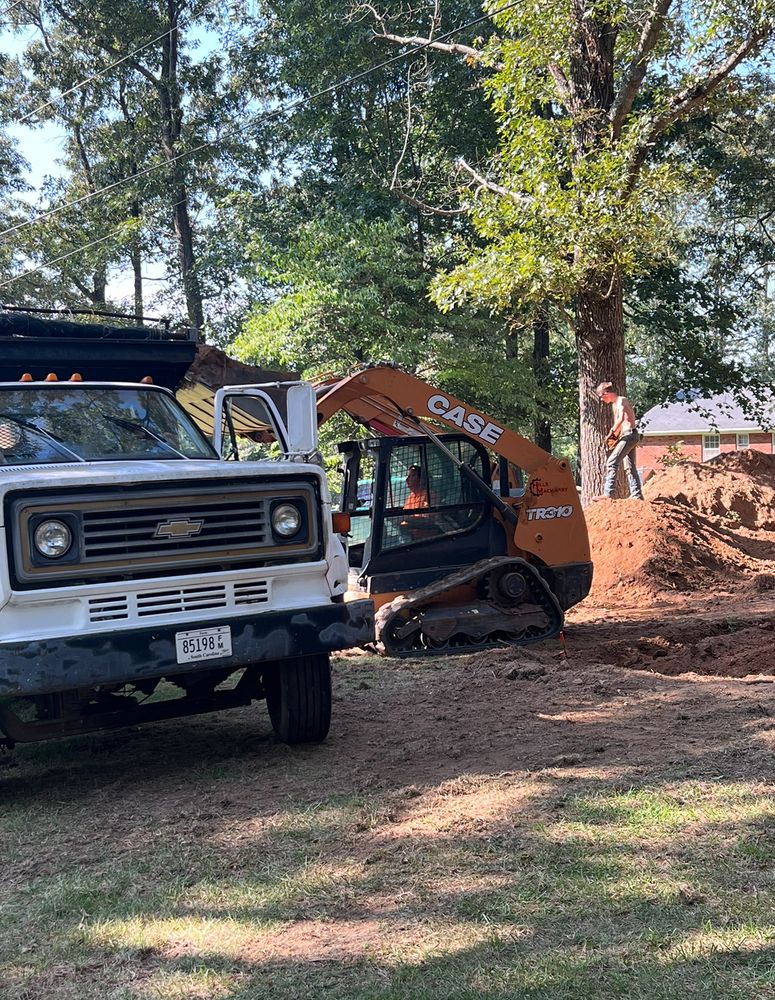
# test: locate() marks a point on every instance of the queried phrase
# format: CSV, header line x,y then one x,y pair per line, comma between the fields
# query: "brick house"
x,y
701,429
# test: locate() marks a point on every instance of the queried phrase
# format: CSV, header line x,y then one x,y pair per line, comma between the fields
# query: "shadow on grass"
x,y
503,971
197,856
587,891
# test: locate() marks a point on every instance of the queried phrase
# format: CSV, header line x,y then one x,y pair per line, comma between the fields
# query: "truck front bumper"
x,y
124,656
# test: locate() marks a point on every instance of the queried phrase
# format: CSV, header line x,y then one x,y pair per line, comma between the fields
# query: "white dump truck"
x,y
141,575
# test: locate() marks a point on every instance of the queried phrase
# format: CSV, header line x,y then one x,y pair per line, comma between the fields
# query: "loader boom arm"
x,y
550,520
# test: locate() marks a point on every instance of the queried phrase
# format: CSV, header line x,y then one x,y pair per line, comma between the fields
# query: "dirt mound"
x,y
742,651
738,488
751,463
730,649
643,550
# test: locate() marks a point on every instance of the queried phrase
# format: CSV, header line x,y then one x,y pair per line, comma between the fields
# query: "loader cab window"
x,y
508,480
427,497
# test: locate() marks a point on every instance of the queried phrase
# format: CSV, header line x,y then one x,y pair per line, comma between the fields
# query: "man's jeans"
x,y
624,451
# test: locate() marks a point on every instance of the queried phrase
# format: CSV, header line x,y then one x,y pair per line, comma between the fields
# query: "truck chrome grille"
x,y
177,600
133,532
181,527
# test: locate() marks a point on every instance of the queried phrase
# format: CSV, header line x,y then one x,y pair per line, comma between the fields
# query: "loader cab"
x,y
414,515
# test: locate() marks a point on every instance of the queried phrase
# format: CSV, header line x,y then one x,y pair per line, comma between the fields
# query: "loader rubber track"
x,y
535,617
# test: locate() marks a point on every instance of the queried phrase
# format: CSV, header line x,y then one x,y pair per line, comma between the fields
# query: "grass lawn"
x,y
169,863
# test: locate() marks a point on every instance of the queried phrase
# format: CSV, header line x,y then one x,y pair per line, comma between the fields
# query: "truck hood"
x,y
107,473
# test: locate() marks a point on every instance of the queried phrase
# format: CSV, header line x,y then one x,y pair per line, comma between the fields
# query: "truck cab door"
x,y
249,410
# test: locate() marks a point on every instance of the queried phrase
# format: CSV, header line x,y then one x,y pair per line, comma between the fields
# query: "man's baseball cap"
x,y
604,387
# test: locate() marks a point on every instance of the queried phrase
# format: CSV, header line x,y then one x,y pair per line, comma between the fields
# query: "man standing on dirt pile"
x,y
621,440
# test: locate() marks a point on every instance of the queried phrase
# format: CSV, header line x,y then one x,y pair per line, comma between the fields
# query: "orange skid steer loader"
x,y
465,534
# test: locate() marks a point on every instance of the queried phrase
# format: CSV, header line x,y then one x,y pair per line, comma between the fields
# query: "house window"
x,y
743,441
711,446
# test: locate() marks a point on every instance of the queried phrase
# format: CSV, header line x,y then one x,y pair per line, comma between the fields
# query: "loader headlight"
x,y
52,539
286,520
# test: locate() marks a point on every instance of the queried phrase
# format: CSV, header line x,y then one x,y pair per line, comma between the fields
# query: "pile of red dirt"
x,y
749,462
738,487
704,527
741,650
652,548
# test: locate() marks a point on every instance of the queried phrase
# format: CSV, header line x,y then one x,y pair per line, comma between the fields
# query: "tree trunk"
x,y
186,254
137,263
100,278
172,122
100,275
542,428
600,347
135,250
599,313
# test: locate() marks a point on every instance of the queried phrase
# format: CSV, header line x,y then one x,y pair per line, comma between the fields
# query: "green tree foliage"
x,y
141,104
581,192
702,319
363,213
348,292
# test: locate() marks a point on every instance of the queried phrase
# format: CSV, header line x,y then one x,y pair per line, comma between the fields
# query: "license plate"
x,y
203,644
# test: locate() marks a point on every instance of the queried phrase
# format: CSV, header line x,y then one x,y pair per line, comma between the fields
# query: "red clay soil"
x,y
738,488
701,544
704,527
645,550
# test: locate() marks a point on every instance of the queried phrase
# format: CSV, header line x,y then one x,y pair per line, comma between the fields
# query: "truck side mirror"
x,y
301,405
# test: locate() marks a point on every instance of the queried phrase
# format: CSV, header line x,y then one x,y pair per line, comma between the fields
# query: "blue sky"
x,y
42,145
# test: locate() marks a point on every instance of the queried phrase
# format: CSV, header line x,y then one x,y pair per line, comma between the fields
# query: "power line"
x,y
269,116
95,76
56,260
8,10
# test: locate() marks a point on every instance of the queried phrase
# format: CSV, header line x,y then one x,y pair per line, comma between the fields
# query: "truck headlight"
x,y
286,520
52,539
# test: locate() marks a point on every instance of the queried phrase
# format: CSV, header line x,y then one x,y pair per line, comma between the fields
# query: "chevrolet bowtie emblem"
x,y
178,529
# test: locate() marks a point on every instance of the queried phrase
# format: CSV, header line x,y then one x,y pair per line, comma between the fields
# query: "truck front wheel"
x,y
298,696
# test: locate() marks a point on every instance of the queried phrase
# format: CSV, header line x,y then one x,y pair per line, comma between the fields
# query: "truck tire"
x,y
298,696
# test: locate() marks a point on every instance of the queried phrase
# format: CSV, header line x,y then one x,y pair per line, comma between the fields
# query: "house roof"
x,y
702,415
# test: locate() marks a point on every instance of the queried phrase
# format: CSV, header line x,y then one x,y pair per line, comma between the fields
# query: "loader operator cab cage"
x,y
443,521
528,498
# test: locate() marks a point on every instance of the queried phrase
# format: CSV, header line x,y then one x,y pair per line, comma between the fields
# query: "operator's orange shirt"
x,y
416,501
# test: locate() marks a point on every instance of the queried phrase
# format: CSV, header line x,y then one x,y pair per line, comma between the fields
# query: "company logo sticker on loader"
x,y
471,421
540,488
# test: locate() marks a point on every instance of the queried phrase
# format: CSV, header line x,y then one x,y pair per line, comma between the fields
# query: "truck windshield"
x,y
70,423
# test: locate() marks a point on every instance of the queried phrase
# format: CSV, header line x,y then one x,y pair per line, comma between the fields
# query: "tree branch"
x,y
424,206
690,98
82,287
483,182
456,48
561,83
636,71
